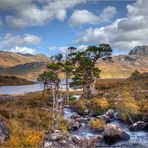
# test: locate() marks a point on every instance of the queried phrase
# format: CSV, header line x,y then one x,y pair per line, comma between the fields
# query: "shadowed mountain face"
x,y
28,71
139,51
22,65
30,66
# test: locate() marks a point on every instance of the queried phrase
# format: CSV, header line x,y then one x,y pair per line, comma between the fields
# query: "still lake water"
x,y
22,89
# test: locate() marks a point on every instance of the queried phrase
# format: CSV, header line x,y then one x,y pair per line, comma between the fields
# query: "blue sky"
x,y
50,26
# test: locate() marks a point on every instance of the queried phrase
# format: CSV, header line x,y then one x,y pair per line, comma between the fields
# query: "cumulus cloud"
x,y
80,17
124,33
28,13
11,41
23,50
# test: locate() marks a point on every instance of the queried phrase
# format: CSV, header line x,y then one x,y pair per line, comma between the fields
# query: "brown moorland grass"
x,y
26,120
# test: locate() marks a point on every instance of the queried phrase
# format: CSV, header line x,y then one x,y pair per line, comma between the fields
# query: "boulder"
x,y
57,139
56,135
105,118
113,133
88,141
86,112
4,132
117,115
75,116
74,124
110,113
138,126
108,116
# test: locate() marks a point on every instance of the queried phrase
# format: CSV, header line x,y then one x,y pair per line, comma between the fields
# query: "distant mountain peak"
x,y
139,50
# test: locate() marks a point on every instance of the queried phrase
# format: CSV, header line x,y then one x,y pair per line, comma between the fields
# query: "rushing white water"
x,y
137,139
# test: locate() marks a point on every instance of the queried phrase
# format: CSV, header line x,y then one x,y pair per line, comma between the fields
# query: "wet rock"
x,y
113,133
88,141
75,116
67,106
57,139
110,113
74,124
117,115
55,136
108,116
138,126
105,117
4,132
86,112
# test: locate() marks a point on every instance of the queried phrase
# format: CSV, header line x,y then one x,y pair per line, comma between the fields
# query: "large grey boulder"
x,y
113,133
4,132
88,141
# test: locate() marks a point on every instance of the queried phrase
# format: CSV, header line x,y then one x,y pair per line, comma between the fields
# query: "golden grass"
x,y
97,124
26,120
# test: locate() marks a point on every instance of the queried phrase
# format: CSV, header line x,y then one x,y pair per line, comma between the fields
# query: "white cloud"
x,y
11,41
124,33
80,17
28,13
64,48
52,48
23,50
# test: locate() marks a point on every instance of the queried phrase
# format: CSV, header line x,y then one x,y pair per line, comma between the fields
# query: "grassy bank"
x,y
127,96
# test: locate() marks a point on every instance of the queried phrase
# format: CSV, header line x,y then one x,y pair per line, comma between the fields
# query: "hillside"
x,y
28,71
9,59
123,65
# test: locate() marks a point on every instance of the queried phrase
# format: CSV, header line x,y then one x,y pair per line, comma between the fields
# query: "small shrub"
x,y
96,124
99,106
81,105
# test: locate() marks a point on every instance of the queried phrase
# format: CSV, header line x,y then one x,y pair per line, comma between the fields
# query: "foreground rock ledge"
x,y
58,139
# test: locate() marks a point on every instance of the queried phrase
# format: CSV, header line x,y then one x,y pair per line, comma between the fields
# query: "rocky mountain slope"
x,y
139,51
123,65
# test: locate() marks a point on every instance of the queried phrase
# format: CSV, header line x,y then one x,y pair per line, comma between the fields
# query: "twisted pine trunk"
x,y
67,90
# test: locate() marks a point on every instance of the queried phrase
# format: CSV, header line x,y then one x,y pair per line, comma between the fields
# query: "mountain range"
x,y
30,66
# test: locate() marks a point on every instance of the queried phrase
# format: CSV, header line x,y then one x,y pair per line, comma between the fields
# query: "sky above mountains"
x,y
50,26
